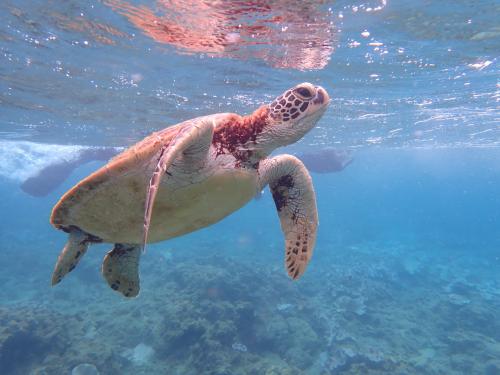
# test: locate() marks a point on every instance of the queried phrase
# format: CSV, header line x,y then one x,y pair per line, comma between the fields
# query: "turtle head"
x,y
292,114
287,119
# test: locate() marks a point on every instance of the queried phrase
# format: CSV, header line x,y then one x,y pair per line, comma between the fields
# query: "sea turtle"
x,y
189,176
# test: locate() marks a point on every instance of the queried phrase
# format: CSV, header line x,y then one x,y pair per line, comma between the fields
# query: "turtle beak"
x,y
321,97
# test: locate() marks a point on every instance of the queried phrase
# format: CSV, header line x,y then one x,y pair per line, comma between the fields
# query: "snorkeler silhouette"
x,y
326,160
48,179
53,175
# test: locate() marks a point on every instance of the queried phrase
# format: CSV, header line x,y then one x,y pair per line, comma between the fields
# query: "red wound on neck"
x,y
237,131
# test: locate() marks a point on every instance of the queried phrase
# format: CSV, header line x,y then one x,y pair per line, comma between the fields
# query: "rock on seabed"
x,y
85,369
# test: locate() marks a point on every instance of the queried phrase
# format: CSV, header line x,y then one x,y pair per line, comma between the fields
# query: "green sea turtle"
x,y
189,176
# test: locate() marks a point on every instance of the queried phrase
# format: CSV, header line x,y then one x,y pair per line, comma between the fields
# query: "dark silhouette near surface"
x,y
326,160
52,176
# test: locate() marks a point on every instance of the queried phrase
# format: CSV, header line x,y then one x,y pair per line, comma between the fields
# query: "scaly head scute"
x,y
291,115
300,107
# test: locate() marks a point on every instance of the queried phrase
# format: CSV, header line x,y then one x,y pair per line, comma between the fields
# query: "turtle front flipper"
x,y
120,268
293,194
76,247
193,142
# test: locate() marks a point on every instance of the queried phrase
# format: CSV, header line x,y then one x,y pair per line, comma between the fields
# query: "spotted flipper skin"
x,y
295,199
120,268
76,247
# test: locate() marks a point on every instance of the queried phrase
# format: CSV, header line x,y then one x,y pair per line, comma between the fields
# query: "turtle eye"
x,y
304,92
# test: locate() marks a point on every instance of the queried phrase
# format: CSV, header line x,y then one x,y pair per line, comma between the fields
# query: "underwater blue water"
x,y
405,277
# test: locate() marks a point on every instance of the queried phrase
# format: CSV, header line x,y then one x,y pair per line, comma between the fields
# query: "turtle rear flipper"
x,y
120,268
76,247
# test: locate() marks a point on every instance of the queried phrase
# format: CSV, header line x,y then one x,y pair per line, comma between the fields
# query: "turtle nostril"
x,y
320,97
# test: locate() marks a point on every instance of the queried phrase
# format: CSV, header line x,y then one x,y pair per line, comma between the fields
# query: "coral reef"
x,y
218,320
27,336
201,313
